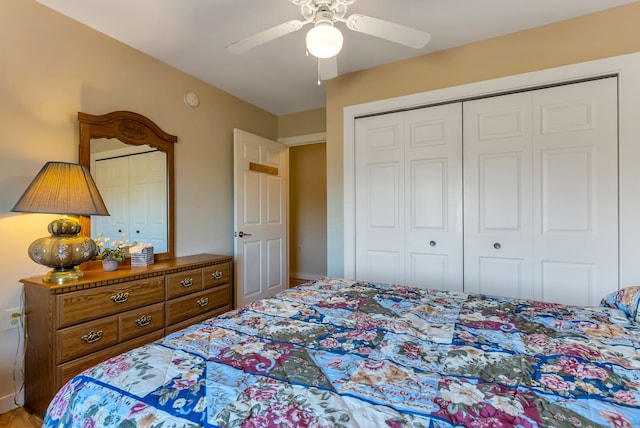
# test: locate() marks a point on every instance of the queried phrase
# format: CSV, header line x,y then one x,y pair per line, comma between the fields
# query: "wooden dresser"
x,y
73,326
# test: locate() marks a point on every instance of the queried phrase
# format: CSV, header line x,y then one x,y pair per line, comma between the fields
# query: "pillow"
x,y
627,300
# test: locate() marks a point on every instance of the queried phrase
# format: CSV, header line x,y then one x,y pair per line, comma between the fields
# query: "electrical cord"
x,y
19,368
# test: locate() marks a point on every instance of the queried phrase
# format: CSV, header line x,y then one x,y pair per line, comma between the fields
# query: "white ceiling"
x,y
191,35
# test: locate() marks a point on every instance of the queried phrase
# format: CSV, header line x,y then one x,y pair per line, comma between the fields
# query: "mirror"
x,y
133,159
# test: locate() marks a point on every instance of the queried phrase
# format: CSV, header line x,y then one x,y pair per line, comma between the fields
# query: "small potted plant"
x,y
111,252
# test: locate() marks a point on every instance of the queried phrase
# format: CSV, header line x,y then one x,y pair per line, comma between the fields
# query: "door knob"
x,y
432,243
241,234
497,246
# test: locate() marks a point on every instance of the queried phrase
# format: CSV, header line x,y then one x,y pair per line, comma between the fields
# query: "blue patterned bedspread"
x,y
339,353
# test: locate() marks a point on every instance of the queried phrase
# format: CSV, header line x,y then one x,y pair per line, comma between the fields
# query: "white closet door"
x,y
148,187
498,196
541,193
576,192
379,176
112,178
433,195
408,198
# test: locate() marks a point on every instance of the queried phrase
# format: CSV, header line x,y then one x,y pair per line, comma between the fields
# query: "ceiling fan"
x,y
324,40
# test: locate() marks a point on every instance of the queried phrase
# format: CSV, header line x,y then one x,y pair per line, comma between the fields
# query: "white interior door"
x,y
498,196
134,188
380,199
408,198
112,178
260,220
541,193
148,187
433,194
575,239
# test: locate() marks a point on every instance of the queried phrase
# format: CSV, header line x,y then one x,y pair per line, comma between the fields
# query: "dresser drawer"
x,y
213,276
68,370
191,321
86,338
141,321
79,306
182,283
192,305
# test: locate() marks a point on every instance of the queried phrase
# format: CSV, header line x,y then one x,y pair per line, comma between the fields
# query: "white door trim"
x,y
626,67
301,140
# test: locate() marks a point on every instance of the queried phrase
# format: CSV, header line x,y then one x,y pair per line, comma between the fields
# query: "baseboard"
x,y
7,403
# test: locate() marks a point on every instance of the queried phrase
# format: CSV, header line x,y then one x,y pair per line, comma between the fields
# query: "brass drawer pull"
x,y
217,275
92,337
144,320
203,301
120,297
187,282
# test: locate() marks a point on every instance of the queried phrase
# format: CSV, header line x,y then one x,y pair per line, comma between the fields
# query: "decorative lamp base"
x,y
61,276
63,250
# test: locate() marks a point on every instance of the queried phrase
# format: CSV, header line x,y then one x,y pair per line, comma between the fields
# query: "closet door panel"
x,y
567,191
499,192
148,185
501,276
379,200
575,185
112,178
498,196
567,281
433,155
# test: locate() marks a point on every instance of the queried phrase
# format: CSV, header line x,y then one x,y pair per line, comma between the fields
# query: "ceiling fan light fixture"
x,y
324,40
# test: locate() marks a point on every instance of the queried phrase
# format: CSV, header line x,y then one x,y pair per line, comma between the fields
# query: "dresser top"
x,y
98,278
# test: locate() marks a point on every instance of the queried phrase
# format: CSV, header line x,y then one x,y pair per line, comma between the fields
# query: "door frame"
x,y
293,141
626,67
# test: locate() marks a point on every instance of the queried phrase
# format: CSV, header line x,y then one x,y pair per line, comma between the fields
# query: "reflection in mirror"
x,y
133,183
131,159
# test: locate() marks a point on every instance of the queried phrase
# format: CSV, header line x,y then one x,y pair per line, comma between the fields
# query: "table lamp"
x,y
68,189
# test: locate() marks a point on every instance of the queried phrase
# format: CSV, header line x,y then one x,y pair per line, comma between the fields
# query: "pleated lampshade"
x,y
62,188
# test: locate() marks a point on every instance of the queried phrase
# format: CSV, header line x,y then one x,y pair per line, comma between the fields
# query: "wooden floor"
x,y
293,282
21,418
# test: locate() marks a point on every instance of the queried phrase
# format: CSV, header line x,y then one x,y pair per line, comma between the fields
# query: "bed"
x,y
338,353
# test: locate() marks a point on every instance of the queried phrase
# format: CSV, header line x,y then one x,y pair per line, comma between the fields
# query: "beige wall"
x,y
303,123
308,211
605,34
53,67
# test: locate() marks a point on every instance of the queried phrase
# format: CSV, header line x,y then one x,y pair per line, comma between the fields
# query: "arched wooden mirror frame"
x,y
136,129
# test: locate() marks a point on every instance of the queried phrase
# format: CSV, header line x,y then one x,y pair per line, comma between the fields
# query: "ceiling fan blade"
x,y
327,68
388,30
265,36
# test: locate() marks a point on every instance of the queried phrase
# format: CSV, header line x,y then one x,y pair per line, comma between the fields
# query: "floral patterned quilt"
x,y
337,353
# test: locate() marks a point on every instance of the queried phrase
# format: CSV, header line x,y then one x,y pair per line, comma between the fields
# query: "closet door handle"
x,y
497,246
